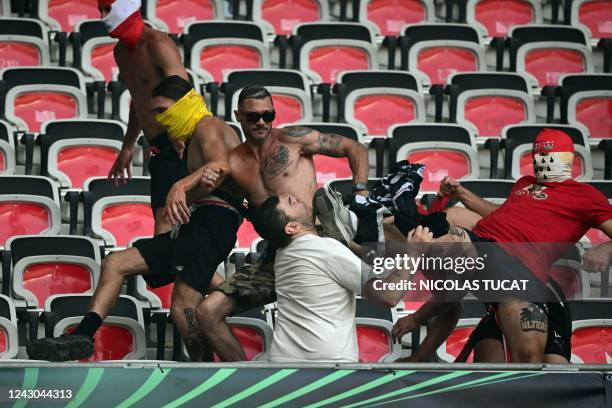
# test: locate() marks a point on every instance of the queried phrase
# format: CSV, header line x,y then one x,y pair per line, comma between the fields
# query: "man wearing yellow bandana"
x,y
188,257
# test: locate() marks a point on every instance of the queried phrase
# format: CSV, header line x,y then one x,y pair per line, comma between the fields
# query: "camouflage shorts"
x,y
252,286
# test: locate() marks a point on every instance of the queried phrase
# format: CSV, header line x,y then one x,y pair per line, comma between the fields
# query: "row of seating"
x,y
321,50
62,272
495,17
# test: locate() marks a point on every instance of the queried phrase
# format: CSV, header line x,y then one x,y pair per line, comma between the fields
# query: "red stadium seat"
x,y
22,52
46,279
379,111
545,53
592,342
121,336
594,110
22,213
216,60
373,344
64,15
596,15
7,158
174,15
288,109
126,221
490,110
440,62
330,168
441,163
390,16
99,60
43,266
22,219
328,61
457,339
118,214
246,234
596,237
9,341
164,293
79,163
283,15
34,108
499,16
547,65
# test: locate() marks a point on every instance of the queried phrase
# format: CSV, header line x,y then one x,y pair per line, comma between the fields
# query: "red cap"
x,y
552,140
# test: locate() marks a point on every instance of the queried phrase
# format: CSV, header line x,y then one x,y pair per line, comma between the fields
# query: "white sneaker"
x,y
335,219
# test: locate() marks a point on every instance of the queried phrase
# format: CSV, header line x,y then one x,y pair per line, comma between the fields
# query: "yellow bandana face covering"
x,y
180,119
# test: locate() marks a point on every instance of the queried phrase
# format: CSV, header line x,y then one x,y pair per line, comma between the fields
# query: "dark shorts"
x,y
201,245
559,328
500,265
166,168
253,285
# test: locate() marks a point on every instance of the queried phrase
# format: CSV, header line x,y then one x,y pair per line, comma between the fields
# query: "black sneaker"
x,y
65,348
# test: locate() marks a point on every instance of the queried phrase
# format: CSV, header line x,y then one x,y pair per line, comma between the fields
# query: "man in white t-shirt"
x,y
316,281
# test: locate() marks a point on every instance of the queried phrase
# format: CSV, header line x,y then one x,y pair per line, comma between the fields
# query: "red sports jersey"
x,y
545,212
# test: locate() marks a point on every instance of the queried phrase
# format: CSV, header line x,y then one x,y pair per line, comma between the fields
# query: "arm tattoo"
x,y
297,131
329,144
277,162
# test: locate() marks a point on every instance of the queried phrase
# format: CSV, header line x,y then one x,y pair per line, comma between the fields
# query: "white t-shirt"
x,y
316,282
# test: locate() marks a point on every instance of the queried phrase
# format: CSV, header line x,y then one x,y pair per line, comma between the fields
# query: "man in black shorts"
x,y
188,256
144,57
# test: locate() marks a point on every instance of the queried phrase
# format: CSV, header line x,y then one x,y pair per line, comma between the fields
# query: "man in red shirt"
x,y
550,209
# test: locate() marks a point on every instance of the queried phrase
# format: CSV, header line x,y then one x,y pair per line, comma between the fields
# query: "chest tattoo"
x,y
277,162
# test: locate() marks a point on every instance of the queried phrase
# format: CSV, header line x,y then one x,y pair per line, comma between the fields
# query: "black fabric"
x,y
500,266
166,168
559,335
396,192
201,245
89,325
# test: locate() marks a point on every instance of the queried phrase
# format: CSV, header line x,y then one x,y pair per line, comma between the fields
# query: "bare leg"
x,y
115,268
489,351
184,302
462,217
525,328
211,314
161,222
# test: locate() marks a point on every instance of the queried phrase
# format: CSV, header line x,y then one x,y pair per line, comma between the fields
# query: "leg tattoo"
x,y
194,340
533,318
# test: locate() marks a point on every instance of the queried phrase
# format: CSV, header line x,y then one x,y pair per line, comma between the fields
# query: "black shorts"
x,y
499,266
559,328
166,168
201,245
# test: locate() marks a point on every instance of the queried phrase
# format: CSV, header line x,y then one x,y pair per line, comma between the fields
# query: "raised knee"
x,y
112,265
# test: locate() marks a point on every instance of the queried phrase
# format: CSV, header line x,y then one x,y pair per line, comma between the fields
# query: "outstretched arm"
x,y
449,187
598,259
333,145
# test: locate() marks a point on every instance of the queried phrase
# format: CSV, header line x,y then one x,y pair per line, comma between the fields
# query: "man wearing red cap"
x,y
144,56
549,209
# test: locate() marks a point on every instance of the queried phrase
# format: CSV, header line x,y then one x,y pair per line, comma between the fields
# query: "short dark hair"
x,y
253,92
173,87
270,222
